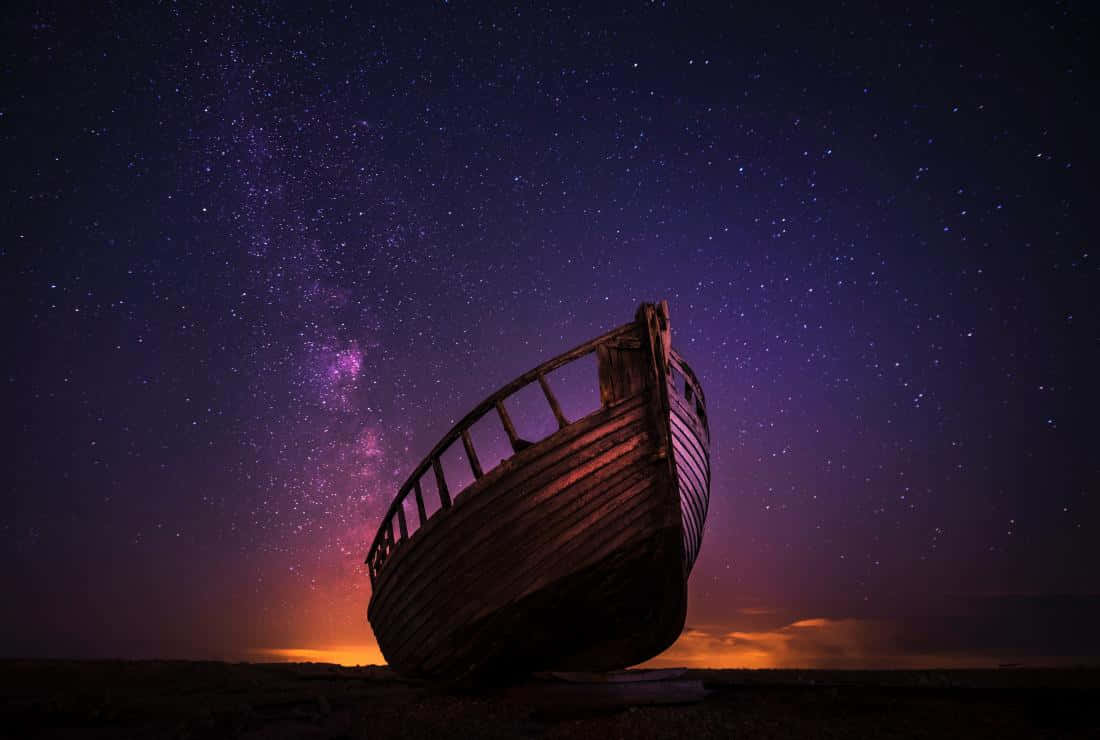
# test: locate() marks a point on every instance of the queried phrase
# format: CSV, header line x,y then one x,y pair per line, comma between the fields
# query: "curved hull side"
x,y
558,559
690,451
618,612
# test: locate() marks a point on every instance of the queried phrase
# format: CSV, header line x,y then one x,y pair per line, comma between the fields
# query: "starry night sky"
x,y
257,261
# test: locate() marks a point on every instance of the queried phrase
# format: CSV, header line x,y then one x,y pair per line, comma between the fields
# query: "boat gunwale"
x,y
460,430
685,370
469,420
605,430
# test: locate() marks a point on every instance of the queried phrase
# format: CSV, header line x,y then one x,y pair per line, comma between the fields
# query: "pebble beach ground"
x,y
170,699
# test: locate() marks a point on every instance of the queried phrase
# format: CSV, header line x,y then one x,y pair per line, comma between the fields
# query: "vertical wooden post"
x,y
607,385
401,518
509,428
471,455
420,504
387,537
663,324
554,405
441,484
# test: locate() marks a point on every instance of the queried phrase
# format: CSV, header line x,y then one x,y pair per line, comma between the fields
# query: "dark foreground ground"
x,y
158,699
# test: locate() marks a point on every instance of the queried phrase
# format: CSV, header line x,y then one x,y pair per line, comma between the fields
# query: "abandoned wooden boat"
x,y
573,553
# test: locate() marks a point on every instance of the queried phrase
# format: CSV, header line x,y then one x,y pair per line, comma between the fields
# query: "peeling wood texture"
x,y
574,553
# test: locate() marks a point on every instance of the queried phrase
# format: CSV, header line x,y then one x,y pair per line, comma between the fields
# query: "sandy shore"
x,y
168,699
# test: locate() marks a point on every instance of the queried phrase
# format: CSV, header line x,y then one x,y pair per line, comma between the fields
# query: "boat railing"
x,y
688,386
386,540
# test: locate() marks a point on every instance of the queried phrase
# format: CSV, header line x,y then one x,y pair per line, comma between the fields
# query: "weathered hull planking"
x,y
573,554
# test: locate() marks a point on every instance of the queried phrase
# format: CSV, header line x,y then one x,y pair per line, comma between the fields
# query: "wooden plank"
x,y
509,428
607,384
529,553
688,474
691,503
586,437
581,435
482,408
515,539
656,325
692,488
572,557
387,541
632,510
481,522
401,520
690,429
692,440
693,480
508,579
420,504
505,578
554,405
688,373
471,455
441,484
665,326
623,371
685,414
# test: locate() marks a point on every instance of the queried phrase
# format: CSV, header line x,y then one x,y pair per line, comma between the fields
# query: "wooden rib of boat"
x,y
573,554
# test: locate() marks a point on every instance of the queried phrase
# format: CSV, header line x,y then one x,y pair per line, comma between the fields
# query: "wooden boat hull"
x,y
573,554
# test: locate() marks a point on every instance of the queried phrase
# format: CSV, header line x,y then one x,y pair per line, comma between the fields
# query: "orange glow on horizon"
x,y
806,643
345,655
813,643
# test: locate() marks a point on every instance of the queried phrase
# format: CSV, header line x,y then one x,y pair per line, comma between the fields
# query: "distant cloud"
x,y
806,643
956,631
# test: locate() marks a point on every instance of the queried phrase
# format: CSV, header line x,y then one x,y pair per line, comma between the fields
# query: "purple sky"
x,y
257,262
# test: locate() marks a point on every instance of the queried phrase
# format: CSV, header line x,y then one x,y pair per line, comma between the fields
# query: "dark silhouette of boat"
x,y
573,554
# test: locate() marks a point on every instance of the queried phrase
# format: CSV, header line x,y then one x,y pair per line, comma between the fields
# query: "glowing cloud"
x,y
806,643
348,655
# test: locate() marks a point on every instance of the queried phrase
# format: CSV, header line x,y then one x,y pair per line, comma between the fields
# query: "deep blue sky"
x,y
256,262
